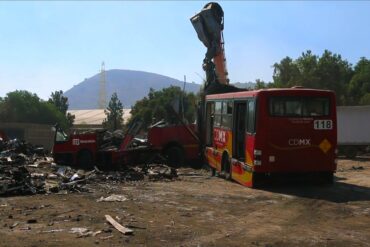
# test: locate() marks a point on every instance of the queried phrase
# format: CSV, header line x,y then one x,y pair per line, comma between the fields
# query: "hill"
x,y
130,86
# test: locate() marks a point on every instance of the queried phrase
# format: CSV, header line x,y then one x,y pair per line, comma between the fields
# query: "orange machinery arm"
x,y
209,24
220,64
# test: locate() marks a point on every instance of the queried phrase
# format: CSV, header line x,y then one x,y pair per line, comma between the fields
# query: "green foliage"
x,y
260,84
61,103
329,71
154,107
359,86
285,73
114,113
70,119
365,99
25,107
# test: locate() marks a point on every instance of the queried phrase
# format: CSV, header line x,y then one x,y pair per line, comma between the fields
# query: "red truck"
x,y
176,143
75,148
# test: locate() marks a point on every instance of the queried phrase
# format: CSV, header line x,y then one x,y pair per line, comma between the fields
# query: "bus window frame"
x,y
225,114
225,102
251,99
217,114
303,101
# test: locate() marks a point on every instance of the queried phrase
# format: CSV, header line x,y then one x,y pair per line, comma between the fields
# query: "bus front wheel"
x,y
227,169
213,171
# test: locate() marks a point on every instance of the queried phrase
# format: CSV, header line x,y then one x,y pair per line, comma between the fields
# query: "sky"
x,y
47,46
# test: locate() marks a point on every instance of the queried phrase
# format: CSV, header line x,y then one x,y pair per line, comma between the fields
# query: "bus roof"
x,y
272,91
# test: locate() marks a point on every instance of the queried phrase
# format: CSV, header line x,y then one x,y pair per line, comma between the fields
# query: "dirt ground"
x,y
198,210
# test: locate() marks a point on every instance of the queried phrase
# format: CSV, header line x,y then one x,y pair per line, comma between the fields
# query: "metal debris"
x,y
112,198
81,232
26,170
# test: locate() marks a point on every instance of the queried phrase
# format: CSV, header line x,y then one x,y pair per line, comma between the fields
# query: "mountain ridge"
x,y
130,85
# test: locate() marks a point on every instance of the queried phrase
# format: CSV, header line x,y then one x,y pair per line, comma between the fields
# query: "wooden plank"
x,y
118,226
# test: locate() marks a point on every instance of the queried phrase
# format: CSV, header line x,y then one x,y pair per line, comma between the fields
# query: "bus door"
x,y
210,112
239,130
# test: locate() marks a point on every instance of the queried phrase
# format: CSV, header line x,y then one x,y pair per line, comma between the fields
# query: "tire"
x,y
85,160
327,178
213,171
227,168
175,156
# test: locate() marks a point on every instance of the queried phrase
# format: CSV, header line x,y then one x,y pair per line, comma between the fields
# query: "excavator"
x,y
209,26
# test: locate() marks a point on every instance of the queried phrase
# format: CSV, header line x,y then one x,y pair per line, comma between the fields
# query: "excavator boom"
x,y
209,25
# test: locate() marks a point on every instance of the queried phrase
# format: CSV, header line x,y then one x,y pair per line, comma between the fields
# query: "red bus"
x,y
252,134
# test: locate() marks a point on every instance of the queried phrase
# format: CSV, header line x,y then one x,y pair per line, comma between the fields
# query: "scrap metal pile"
x,y
26,169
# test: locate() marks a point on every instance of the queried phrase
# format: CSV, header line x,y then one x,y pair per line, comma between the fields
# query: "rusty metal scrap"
x,y
26,171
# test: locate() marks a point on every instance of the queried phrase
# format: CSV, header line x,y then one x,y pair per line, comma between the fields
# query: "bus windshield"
x,y
298,106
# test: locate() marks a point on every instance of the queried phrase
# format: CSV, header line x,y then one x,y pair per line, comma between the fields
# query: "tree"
x,y
359,86
334,73
25,107
307,67
70,119
61,103
285,73
365,100
155,106
260,84
114,113
329,71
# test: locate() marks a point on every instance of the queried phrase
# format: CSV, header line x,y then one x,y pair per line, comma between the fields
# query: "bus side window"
x,y
227,118
217,119
251,112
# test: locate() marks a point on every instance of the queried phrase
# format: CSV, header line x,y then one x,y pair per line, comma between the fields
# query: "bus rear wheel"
x,y
327,178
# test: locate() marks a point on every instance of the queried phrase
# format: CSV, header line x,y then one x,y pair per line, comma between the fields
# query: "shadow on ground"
x,y
338,192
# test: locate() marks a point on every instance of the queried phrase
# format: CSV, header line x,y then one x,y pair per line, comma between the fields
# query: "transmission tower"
x,y
102,88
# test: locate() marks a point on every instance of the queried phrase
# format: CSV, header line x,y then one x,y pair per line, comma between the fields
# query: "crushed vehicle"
x,y
25,170
173,143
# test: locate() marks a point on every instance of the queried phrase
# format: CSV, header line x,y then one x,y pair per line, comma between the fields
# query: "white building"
x,y
93,118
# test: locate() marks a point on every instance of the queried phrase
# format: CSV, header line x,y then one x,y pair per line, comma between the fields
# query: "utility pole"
x,y
102,88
